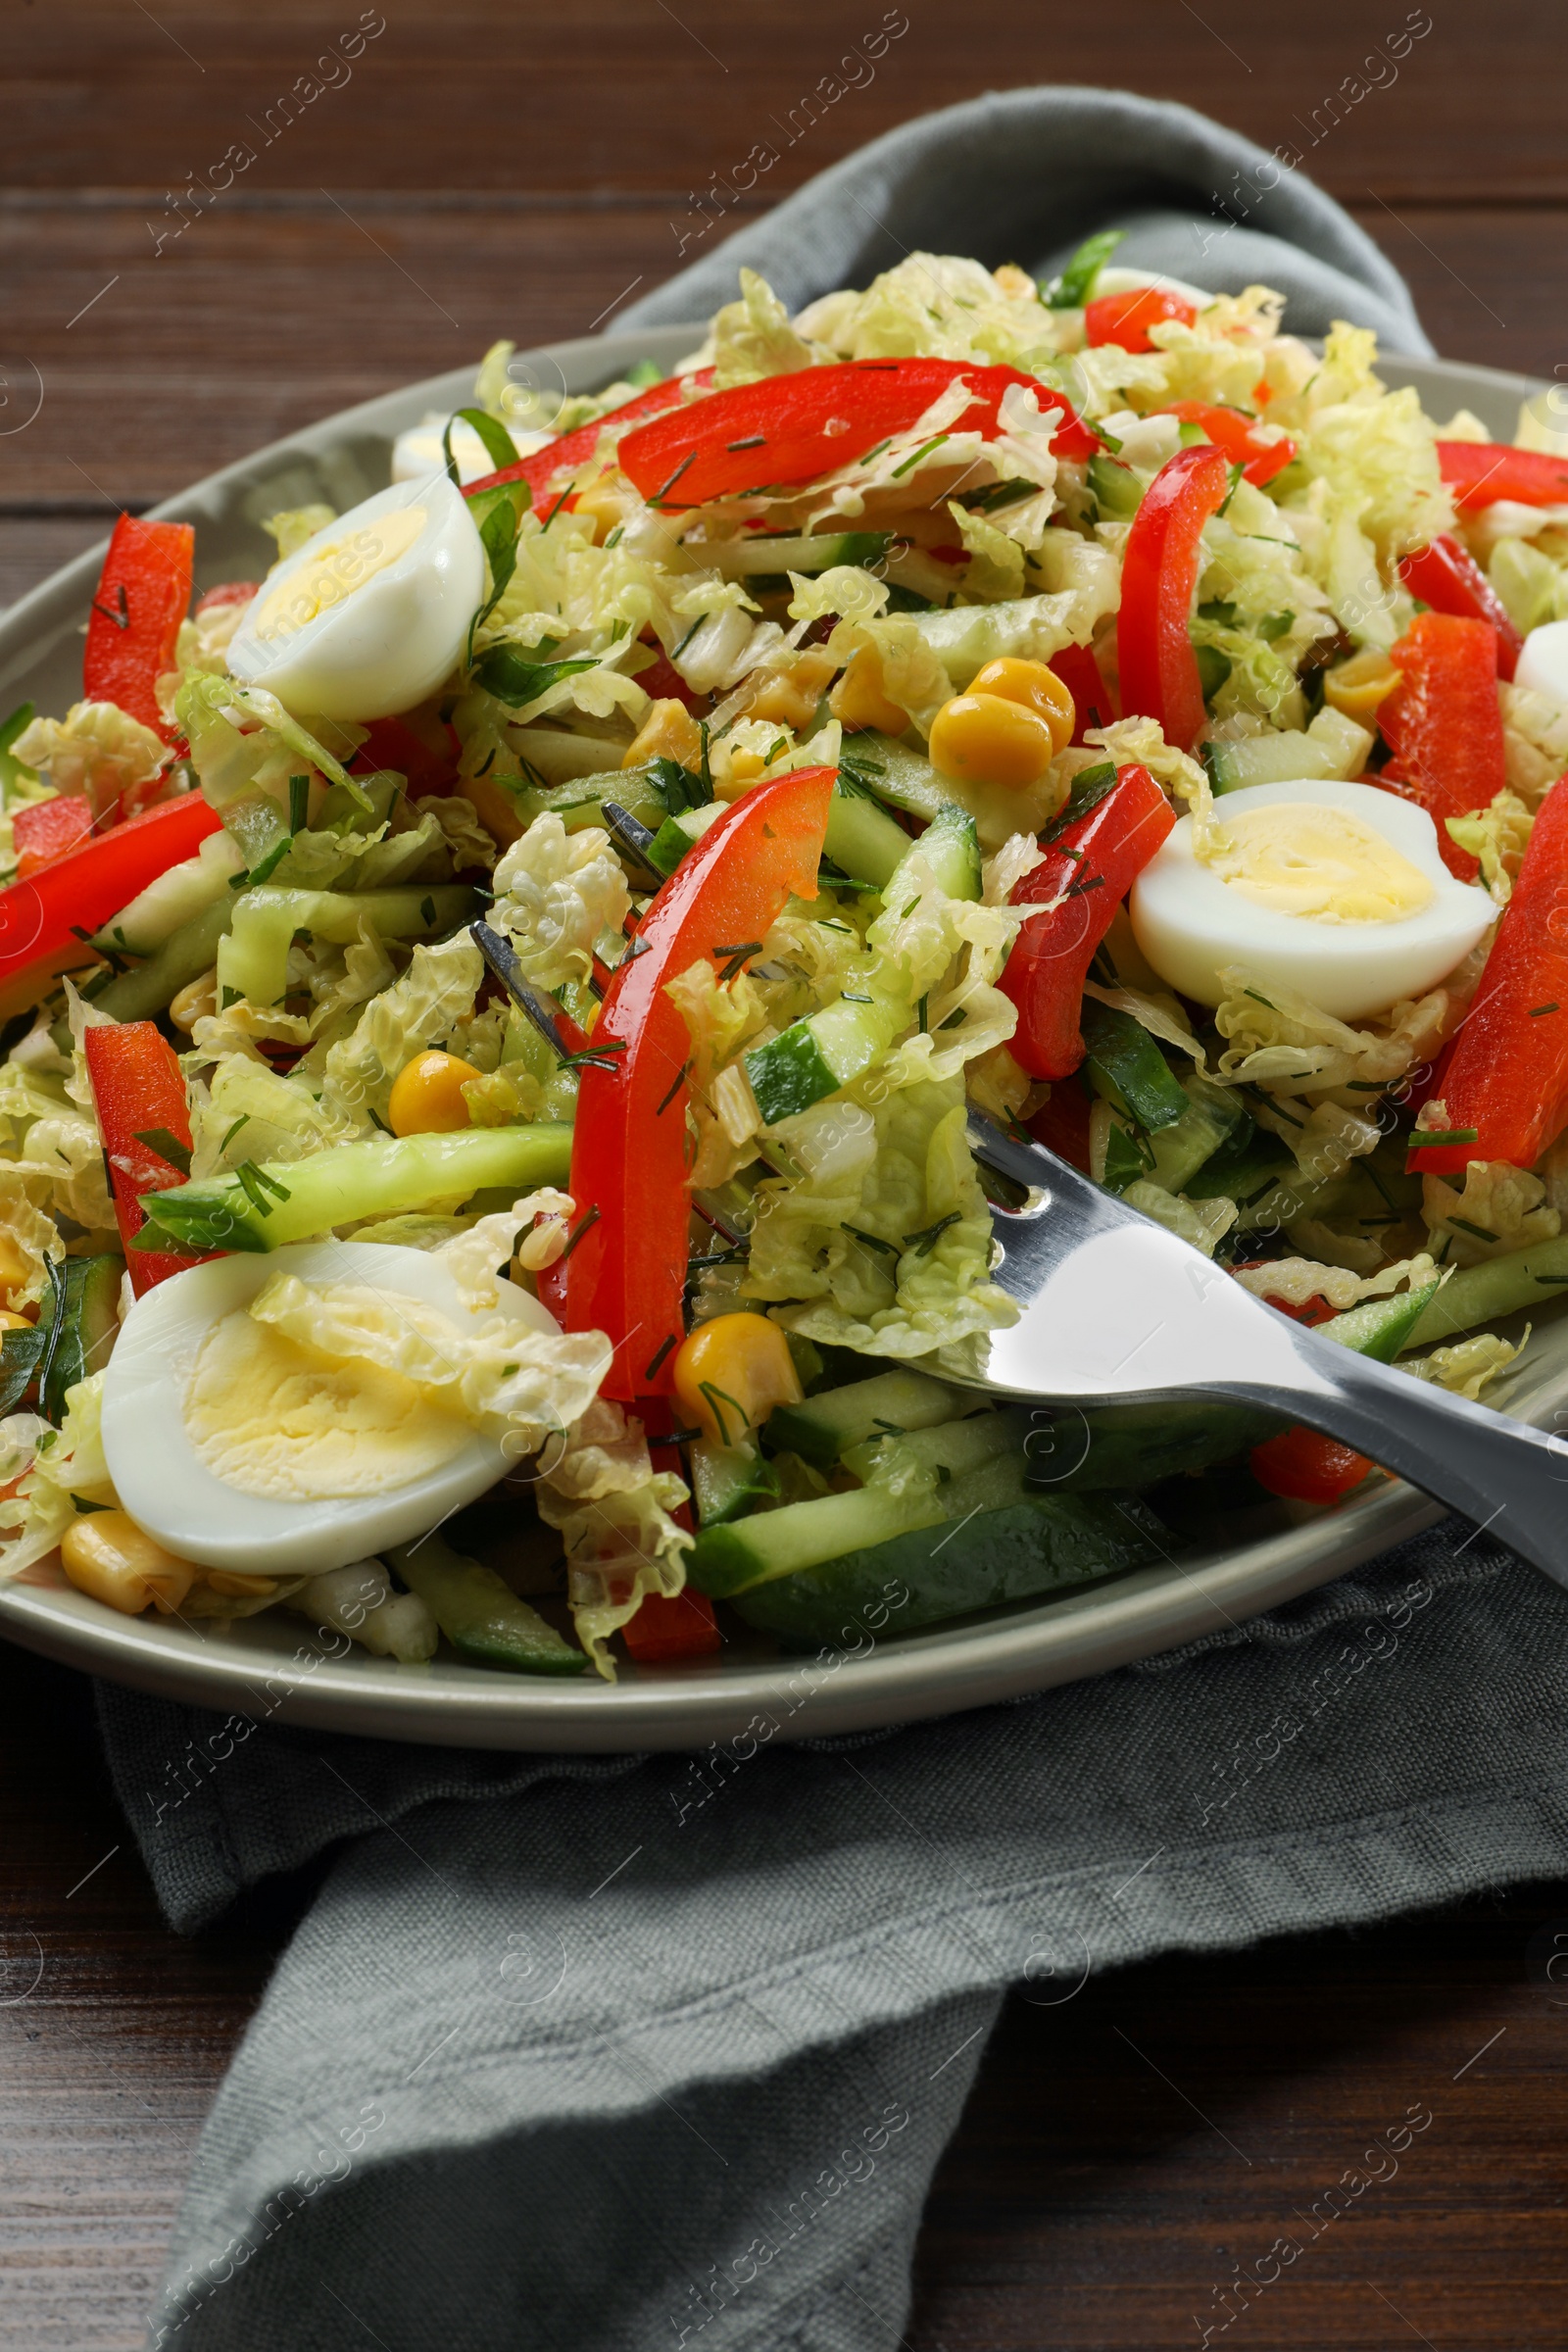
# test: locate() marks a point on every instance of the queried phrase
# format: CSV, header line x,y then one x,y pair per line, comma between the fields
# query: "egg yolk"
x,y
272,1419
335,570
1324,863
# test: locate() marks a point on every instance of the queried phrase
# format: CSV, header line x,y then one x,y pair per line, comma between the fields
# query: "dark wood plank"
x,y
1491,286
29,550
114,2033
259,321
622,94
1125,2153
256,322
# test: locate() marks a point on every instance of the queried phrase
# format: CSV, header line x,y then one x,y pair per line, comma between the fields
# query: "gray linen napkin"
x,y
631,2052
1024,176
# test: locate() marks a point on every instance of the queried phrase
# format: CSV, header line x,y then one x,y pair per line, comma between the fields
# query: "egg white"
x,y
419,453
1125,280
1190,924
167,1486
1543,663
391,639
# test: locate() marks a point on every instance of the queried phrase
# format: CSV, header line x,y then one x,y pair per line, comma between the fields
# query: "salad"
x,y
496,1011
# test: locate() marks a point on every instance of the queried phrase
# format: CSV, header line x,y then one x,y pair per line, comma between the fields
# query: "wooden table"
x,y
466,173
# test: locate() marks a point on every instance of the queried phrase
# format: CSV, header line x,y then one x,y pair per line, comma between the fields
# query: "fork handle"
x,y
1500,1473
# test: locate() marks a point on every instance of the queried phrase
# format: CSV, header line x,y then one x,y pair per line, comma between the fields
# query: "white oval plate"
x,y
274,1665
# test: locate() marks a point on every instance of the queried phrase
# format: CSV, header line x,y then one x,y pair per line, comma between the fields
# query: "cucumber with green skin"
x,y
815,1056
728,1558
1213,1120
147,988
904,778
78,1322
1126,1066
728,1481
954,1450
82,1330
1011,1551
1077,1450
1498,1286
754,556
978,1463
253,954
863,839
1118,490
826,1426
261,1208
173,897
479,1613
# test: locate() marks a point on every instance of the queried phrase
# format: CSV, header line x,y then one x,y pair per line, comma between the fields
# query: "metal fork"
x,y
1117,1309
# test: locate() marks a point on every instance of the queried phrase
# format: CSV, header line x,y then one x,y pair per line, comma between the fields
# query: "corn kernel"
x,y
858,699
196,1001
732,1372
668,732
744,767
1037,688
980,739
11,1321
1016,283
1356,686
604,505
427,1095
789,697
109,1557
12,1263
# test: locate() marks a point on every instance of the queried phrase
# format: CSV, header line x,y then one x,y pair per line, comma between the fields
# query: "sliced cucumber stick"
x,y
802,1535
728,1481
480,1614
863,839
1008,1552
824,1427
815,1057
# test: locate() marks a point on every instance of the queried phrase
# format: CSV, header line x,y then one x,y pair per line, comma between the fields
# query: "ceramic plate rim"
x,y
242,1671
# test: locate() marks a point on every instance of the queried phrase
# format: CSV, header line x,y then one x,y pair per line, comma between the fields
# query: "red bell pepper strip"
x,y
44,830
1446,576
41,920
791,428
139,1093
1506,1085
575,448
1443,725
1479,471
143,595
227,592
1062,1123
627,1269
1231,432
664,1630
664,681
1126,319
1075,665
391,743
686,1627
1159,677
1304,1466
1311,1311
1090,867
